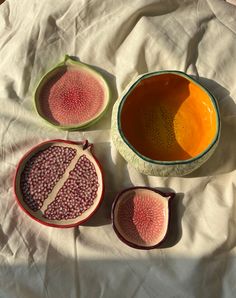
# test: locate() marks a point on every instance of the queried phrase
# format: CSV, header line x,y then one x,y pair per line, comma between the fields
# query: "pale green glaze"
x,y
155,167
67,62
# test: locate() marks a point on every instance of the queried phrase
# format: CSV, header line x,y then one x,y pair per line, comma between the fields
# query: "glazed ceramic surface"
x,y
140,216
54,174
166,124
72,96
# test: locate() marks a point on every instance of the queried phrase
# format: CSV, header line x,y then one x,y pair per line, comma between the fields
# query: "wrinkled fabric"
x,y
123,39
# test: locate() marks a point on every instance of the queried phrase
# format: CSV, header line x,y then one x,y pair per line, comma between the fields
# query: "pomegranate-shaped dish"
x,y
59,183
166,124
140,216
73,95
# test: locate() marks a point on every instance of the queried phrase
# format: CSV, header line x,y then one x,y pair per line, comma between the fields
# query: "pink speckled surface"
x,y
72,97
141,217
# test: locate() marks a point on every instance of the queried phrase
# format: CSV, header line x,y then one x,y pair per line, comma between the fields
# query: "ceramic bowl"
x,y
140,216
166,124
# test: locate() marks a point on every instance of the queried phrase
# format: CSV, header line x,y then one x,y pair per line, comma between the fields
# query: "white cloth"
x,y
232,2
124,38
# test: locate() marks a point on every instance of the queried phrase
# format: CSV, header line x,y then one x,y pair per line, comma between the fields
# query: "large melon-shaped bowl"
x,y
59,183
73,95
166,124
140,216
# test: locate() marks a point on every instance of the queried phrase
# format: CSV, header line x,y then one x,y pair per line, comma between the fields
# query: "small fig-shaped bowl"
x,y
140,216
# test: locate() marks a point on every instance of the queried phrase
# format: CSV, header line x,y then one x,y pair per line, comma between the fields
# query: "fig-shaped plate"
x,y
72,96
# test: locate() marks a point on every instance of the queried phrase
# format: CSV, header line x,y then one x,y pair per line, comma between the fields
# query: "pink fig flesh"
x,y
141,217
72,97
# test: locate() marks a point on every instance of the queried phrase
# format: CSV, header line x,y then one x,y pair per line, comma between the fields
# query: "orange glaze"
x,y
167,117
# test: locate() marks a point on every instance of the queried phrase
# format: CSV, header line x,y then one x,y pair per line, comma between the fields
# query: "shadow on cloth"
x,y
176,212
129,272
116,177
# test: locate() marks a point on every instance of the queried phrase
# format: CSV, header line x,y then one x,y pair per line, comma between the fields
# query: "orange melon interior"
x,y
167,117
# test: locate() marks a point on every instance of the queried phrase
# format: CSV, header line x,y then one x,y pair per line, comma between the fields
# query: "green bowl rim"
x,y
180,73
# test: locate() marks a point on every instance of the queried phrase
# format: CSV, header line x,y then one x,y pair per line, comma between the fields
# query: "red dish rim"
x,y
164,194
51,224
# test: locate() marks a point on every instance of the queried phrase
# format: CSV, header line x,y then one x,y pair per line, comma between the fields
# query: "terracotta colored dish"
x,y
140,216
59,183
166,124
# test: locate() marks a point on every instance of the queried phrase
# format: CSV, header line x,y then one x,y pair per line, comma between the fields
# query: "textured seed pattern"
x,y
158,126
72,97
141,218
42,172
77,194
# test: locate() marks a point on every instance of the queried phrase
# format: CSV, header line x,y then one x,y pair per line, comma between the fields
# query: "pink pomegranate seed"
x,y
42,172
77,194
